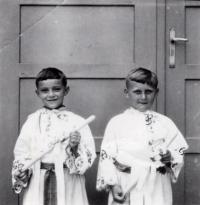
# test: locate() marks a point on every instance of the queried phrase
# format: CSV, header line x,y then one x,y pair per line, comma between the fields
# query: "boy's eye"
x,y
149,91
57,89
137,91
44,90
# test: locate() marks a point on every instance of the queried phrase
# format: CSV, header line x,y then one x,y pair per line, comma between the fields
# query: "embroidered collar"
x,y
57,110
134,111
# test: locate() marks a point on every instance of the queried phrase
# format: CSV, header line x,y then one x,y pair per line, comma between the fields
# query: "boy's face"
x,y
141,95
52,92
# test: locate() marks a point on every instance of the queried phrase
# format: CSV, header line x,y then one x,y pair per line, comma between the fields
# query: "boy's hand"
x,y
166,158
75,138
23,176
118,194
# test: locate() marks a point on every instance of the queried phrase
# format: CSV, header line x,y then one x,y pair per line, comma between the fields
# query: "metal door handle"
x,y
172,47
179,39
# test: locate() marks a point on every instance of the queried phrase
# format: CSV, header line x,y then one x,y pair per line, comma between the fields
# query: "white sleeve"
x,y
22,154
107,173
177,149
85,153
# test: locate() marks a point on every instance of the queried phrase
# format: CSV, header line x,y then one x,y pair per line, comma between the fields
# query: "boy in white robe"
x,y
57,178
135,166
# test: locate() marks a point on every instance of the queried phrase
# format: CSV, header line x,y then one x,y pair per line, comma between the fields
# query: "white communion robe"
x,y
41,129
129,140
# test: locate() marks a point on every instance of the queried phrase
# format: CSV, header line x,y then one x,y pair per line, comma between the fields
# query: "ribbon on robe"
x,y
59,173
50,185
56,131
143,175
33,198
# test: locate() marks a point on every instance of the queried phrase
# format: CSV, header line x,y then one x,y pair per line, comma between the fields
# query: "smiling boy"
x,y
52,93
130,142
56,179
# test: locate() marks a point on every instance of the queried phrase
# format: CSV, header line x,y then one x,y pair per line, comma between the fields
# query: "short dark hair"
x,y
142,75
51,73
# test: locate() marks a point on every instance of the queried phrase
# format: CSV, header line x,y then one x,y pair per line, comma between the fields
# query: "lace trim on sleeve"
x,y
107,173
176,162
81,162
18,184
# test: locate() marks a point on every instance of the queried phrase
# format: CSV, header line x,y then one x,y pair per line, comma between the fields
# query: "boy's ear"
x,y
37,93
157,91
126,92
67,90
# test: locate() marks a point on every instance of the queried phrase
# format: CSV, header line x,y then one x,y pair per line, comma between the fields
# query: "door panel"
x,y
94,43
77,34
192,16
183,89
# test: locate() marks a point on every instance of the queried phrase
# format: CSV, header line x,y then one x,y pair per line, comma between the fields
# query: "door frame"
x,y
160,58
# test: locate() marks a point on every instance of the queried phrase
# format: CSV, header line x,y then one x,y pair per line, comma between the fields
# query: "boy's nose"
x,y
143,97
51,93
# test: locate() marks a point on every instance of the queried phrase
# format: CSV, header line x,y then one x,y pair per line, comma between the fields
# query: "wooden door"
x,y
95,43
183,92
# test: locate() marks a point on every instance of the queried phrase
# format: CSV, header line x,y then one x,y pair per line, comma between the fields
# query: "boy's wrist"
x,y
75,151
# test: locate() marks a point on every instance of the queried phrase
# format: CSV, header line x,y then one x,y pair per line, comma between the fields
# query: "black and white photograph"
x,y
100,102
